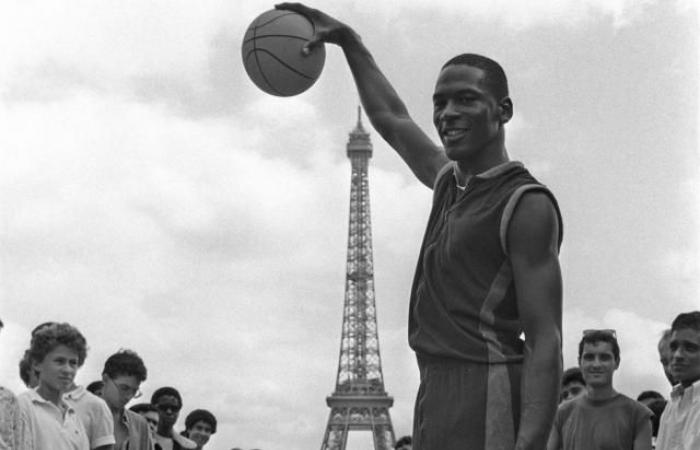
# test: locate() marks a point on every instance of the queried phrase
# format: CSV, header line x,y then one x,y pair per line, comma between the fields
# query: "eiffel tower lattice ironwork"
x,y
359,401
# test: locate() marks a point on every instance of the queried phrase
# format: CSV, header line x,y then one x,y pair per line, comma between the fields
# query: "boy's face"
x,y
169,409
200,432
685,355
58,368
598,363
152,419
118,391
571,390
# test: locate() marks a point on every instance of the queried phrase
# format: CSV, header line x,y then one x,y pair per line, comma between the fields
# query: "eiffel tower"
x,y
359,401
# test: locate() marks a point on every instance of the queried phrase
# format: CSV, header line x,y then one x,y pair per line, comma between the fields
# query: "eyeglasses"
x,y
127,391
606,331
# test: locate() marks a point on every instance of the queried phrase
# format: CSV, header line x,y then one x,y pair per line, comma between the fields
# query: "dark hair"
x,y
25,368
657,407
649,394
494,75
95,386
403,441
572,374
600,336
143,407
200,415
125,362
48,336
162,392
687,320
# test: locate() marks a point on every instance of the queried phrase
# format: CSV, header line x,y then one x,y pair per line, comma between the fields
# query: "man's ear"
x,y
505,108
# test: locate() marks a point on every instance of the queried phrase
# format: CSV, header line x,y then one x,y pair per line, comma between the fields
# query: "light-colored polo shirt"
x,y
680,422
52,427
94,414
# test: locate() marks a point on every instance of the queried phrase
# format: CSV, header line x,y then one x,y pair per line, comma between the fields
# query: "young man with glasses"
x,y
122,376
680,422
169,403
602,418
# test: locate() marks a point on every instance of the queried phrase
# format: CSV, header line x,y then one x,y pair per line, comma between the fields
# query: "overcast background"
x,y
153,197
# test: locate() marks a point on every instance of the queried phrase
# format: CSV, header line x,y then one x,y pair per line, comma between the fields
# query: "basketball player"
x,y
488,269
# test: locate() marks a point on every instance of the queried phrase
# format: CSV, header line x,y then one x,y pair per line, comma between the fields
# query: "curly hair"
x,y
494,75
125,362
47,337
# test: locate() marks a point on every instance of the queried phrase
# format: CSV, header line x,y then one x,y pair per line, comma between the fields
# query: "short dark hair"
x,y
494,75
48,336
687,320
143,407
572,374
163,391
95,386
600,336
649,394
403,441
200,415
125,362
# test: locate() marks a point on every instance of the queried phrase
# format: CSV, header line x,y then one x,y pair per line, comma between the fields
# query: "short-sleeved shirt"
x,y
613,423
463,304
95,415
51,427
680,422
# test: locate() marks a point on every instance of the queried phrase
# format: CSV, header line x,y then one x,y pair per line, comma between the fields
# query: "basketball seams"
x,y
257,63
291,36
260,25
276,58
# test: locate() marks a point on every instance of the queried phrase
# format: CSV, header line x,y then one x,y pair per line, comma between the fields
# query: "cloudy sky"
x,y
152,196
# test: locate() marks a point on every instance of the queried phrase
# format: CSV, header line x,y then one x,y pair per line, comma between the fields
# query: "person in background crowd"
x,y
95,387
56,351
602,418
572,384
122,375
648,397
200,424
665,355
10,425
26,373
680,422
148,412
404,443
169,403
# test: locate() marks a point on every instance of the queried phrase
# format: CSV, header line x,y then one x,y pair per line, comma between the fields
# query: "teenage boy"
x,y
680,422
122,376
200,424
602,418
169,403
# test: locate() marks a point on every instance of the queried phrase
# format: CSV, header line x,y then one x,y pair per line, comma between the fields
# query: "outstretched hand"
x,y
326,28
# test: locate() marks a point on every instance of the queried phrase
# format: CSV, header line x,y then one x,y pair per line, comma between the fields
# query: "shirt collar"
x,y
679,390
35,397
76,393
493,172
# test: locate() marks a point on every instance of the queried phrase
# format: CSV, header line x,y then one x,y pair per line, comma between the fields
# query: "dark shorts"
x,y
466,406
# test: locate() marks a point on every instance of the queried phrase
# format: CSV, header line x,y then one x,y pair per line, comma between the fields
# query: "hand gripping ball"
x,y
272,53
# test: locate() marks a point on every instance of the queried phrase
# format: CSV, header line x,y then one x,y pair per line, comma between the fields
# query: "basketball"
x,y
272,53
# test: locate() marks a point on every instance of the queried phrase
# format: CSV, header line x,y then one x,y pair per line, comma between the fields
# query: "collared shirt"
x,y
680,422
50,426
95,415
139,433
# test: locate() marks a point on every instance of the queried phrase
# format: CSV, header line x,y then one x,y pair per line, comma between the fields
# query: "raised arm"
x,y
382,104
533,241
